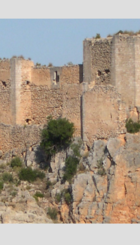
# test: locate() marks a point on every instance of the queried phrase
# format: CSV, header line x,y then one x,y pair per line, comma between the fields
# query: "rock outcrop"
x,y
105,190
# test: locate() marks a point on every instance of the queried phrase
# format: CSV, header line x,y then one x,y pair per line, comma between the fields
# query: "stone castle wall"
x,y
97,96
105,112
5,92
126,68
29,94
97,61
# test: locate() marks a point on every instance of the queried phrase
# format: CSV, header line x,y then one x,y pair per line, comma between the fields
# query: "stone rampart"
x,y
97,96
15,140
104,113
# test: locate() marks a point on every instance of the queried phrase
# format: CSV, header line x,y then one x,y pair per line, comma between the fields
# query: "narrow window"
x,y
56,77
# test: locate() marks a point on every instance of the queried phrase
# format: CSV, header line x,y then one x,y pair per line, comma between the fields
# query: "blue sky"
x,y
58,41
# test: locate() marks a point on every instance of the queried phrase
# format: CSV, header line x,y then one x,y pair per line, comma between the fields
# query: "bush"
x,y
48,184
98,35
52,212
70,168
30,175
14,193
7,177
56,135
67,197
132,127
16,162
38,194
76,149
50,64
58,197
1,185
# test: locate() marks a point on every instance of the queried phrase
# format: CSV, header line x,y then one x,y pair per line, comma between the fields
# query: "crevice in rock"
x,y
94,181
125,192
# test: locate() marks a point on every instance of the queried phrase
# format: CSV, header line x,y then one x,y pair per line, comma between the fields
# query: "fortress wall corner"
x,y
123,67
20,90
104,113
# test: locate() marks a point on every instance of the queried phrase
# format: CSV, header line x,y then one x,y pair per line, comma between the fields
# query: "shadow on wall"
x,y
80,73
41,158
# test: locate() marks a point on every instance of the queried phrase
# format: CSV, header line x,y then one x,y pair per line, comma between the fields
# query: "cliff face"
x,y
113,197
106,189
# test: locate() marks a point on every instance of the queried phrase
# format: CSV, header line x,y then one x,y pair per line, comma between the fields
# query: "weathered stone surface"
x,y
22,209
97,153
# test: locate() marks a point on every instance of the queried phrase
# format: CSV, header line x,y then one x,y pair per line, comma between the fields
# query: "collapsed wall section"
x,y
97,60
103,113
5,92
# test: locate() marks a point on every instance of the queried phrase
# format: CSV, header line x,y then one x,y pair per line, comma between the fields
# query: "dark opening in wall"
x,y
80,73
107,71
27,82
4,83
99,73
28,121
56,77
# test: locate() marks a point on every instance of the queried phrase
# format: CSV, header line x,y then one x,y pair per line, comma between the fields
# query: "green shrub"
x,y
7,177
14,193
52,212
98,35
38,64
30,175
38,194
1,185
67,197
76,148
70,168
16,162
101,170
50,64
48,184
132,127
56,135
58,197
121,32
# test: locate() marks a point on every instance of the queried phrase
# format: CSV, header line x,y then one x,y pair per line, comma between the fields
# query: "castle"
x,y
97,96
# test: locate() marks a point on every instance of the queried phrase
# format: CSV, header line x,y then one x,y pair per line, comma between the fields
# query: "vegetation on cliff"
x,y
132,127
30,175
16,162
56,135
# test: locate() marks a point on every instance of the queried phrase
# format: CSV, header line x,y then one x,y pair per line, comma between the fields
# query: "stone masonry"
x,y
97,96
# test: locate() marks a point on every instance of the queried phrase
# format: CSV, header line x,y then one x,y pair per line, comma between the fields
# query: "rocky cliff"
x,y
105,188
